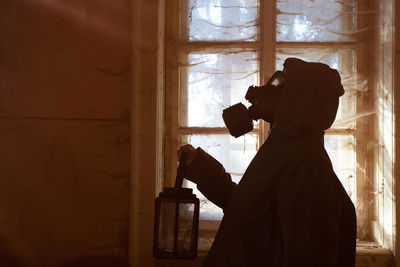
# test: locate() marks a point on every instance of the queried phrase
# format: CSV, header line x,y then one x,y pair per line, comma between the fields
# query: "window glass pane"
x,y
315,20
344,61
216,81
340,149
234,154
226,20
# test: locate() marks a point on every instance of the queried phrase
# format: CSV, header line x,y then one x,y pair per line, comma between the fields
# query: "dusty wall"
x,y
64,129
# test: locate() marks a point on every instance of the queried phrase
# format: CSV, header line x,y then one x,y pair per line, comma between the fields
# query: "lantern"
x,y
176,221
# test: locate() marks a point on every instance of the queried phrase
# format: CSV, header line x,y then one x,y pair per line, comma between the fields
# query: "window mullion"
x,y
338,131
172,89
332,45
267,36
210,130
216,46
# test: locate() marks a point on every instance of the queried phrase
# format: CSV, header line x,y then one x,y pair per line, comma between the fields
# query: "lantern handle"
x,y
180,171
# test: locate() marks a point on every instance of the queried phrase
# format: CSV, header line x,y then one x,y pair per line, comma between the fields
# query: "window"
x,y
216,49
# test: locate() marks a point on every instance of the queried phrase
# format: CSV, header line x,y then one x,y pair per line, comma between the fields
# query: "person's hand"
x,y
186,155
190,153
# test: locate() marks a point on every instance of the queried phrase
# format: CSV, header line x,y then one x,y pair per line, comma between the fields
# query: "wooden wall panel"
x,y
65,102
64,189
65,58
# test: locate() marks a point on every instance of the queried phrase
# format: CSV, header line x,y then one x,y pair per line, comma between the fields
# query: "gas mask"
x,y
238,119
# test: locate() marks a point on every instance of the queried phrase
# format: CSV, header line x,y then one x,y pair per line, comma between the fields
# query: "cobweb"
x,y
217,77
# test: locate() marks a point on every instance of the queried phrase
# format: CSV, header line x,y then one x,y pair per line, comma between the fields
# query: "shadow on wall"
x,y
7,258
98,261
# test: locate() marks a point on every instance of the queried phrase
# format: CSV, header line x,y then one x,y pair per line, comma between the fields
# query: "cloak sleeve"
x,y
212,179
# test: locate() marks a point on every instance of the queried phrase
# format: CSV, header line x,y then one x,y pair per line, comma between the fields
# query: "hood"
x,y
310,97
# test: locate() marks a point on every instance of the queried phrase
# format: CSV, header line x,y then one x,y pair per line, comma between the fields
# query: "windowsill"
x,y
370,254
367,255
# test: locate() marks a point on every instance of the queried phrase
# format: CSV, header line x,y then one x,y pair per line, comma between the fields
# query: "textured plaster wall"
x,y
64,130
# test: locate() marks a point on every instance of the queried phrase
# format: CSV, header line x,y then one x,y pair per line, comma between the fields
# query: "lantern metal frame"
x,y
177,195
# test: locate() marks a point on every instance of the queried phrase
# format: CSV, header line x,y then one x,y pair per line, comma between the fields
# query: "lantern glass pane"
x,y
166,226
185,227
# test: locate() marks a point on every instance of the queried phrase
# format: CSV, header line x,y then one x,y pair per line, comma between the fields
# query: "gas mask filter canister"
x,y
238,120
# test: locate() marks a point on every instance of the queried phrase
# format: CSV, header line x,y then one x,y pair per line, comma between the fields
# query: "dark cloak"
x,y
289,209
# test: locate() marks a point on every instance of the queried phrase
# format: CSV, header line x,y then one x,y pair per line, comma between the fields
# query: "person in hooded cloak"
x,y
289,209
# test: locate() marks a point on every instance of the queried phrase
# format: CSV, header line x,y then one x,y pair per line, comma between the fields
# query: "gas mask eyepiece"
x,y
238,119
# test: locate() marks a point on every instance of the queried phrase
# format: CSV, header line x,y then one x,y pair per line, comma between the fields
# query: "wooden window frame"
x,y
267,49
266,46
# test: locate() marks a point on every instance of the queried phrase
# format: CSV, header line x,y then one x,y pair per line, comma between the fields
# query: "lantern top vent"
x,y
177,192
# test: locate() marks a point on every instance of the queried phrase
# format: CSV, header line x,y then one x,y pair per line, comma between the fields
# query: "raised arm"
x,y
211,178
